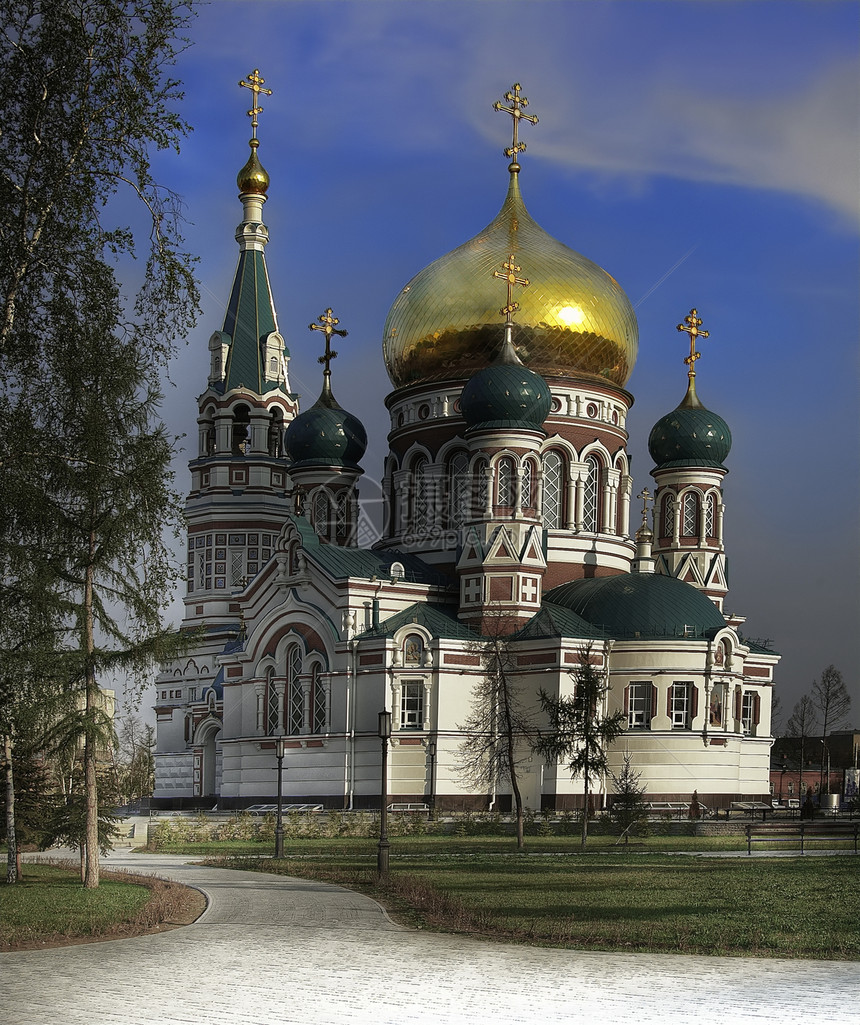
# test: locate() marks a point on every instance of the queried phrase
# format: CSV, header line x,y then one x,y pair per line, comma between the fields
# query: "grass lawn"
x,y
798,908
49,906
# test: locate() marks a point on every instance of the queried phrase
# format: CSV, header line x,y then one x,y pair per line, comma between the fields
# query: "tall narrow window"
x,y
237,568
342,522
295,697
459,486
481,487
527,485
320,715
321,514
667,528
750,711
591,496
639,706
505,482
552,490
420,498
681,706
412,705
710,506
271,704
691,517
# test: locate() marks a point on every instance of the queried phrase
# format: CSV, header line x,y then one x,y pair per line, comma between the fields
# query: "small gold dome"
x,y
253,177
574,320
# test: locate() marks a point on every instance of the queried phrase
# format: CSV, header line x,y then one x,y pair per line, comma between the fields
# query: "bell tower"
x,y
239,492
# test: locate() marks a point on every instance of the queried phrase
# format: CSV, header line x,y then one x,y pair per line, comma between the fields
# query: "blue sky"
x,y
705,154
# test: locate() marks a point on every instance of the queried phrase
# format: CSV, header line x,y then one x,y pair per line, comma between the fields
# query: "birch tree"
x,y
500,725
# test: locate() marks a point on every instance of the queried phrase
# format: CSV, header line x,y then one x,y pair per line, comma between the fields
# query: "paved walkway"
x,y
271,950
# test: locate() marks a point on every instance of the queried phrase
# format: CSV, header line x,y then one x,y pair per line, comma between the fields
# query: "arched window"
x,y
342,521
591,496
480,493
527,488
420,498
318,695
271,703
459,486
273,368
691,515
667,519
321,514
275,434
295,698
241,431
553,495
710,515
505,482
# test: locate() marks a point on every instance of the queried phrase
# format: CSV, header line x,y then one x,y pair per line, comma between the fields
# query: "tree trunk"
x,y
586,792
510,741
91,795
11,840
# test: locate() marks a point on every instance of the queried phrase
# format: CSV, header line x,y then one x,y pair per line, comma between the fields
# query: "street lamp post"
x,y
383,846
280,746
432,750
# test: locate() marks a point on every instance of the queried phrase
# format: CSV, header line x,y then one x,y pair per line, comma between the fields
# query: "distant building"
x,y
507,504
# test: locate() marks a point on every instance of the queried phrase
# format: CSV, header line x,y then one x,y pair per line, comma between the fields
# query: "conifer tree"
x,y
87,95
580,730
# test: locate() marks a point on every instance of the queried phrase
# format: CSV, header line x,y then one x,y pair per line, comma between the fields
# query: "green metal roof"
x,y
250,317
342,563
440,620
645,606
557,621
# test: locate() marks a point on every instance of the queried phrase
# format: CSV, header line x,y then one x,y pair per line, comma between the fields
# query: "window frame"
x,y
412,705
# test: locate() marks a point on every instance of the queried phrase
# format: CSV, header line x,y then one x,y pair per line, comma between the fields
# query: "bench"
x,y
679,808
271,809
802,833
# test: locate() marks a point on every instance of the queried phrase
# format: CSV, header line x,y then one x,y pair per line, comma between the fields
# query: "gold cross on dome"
x,y
328,325
510,275
516,102
691,325
255,84
645,495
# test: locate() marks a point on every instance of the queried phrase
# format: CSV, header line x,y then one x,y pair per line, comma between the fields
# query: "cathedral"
x,y
508,503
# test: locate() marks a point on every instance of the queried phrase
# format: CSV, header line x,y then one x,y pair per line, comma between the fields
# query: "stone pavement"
x,y
271,950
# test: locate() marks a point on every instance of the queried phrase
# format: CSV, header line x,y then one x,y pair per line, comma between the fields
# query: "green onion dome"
x,y
690,436
641,606
505,395
325,435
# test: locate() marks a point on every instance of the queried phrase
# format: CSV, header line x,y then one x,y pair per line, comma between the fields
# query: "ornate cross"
x,y
516,102
645,495
691,325
327,324
510,275
255,84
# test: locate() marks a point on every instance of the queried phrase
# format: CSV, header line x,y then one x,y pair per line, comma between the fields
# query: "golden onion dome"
x,y
253,177
574,320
